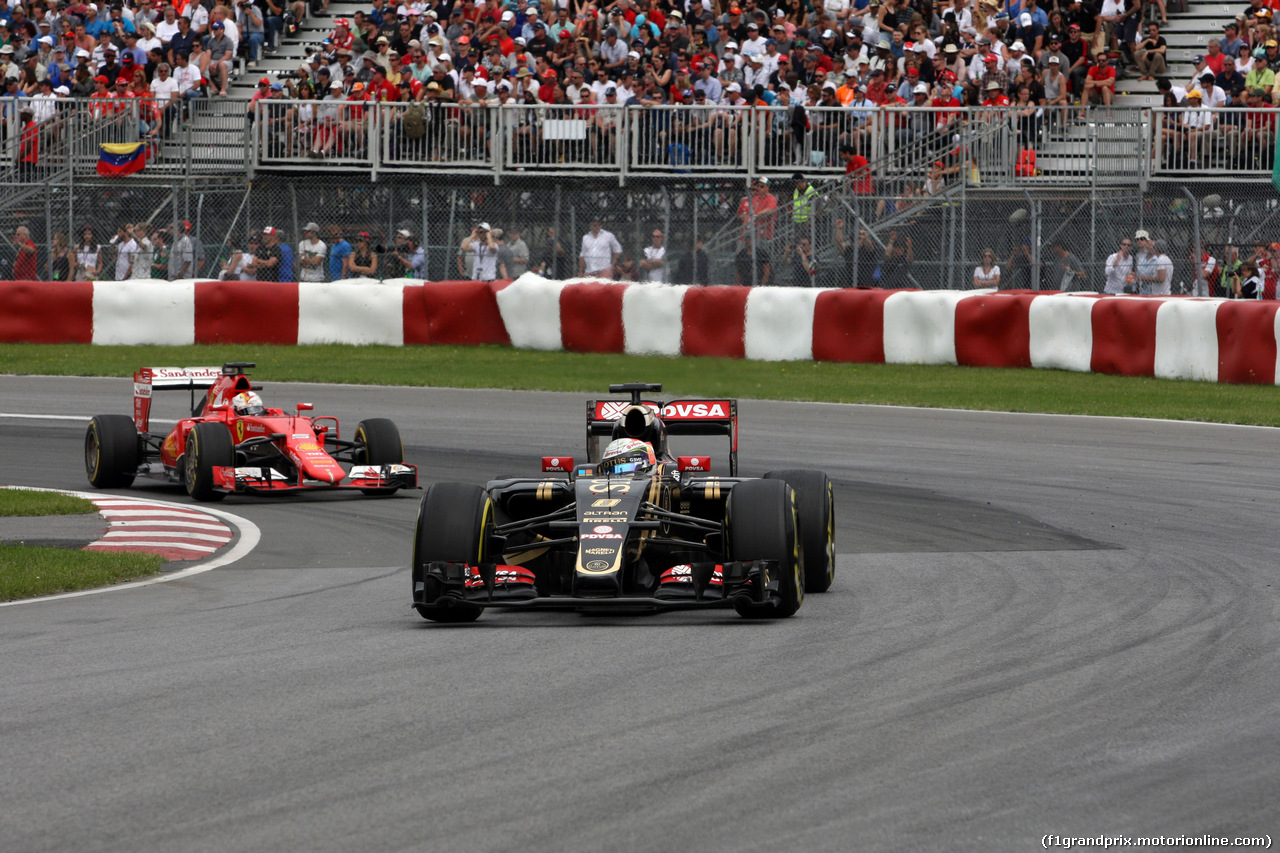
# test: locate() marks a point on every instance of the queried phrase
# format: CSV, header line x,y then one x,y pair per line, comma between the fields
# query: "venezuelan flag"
x,y
121,158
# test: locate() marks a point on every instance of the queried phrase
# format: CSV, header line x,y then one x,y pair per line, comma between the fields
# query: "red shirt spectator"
x,y
24,266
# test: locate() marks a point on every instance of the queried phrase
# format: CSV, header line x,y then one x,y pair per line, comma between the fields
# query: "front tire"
x,y
761,519
455,525
111,451
816,506
380,445
209,446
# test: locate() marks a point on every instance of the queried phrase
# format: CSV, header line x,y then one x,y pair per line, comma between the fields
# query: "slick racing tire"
x,y
111,451
816,506
380,441
208,446
455,525
761,519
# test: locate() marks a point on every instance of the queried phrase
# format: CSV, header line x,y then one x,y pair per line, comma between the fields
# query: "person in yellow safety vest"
x,y
804,200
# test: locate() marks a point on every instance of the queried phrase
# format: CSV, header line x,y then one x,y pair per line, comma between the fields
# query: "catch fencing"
x,y
928,232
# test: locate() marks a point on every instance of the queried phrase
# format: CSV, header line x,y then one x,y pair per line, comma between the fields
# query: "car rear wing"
x,y
681,417
148,379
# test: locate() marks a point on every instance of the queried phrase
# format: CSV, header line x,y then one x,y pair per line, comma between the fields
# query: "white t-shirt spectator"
x,y
312,249
165,88
1118,270
656,253
186,78
984,278
598,251
124,259
166,31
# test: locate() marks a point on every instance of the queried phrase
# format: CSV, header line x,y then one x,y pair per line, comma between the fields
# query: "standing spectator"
x,y
266,266
863,272
654,264
1119,268
1248,283
804,267
987,273
88,256
1148,275
756,213
1068,272
804,200
1163,283
141,266
899,255
484,266
600,250
504,254
24,266
339,254
694,266
311,254
64,260
159,256
126,248
555,258
408,260
364,261
519,253
182,256
287,271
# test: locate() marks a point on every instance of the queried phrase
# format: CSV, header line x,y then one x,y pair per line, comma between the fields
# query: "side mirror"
x,y
304,407
557,464
694,463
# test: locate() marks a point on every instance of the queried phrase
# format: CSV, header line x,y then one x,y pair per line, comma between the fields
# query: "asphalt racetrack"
x,y
1039,626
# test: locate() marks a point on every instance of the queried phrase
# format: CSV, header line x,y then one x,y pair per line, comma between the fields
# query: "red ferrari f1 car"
x,y
232,443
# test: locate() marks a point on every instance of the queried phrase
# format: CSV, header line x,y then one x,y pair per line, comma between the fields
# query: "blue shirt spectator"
x,y
286,263
340,252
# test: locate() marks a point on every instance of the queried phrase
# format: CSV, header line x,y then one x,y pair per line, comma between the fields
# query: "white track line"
x,y
249,538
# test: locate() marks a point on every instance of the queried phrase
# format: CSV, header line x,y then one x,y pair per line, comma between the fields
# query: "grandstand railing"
x,y
987,146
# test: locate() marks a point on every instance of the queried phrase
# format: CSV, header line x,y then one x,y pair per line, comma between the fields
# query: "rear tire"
x,y
455,525
209,446
761,520
111,451
381,443
816,507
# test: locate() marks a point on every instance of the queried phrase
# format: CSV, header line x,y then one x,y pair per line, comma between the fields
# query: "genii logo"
x,y
602,528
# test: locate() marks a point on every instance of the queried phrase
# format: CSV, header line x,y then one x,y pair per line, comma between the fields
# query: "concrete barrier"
x,y
1169,337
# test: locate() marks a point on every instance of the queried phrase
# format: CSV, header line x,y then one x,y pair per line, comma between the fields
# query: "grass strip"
x,y
26,572
23,502
927,386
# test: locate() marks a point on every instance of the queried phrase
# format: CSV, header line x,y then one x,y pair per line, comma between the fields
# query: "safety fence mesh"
x,y
928,230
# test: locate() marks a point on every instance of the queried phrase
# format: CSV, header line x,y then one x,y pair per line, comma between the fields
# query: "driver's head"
x,y
627,456
248,403
639,422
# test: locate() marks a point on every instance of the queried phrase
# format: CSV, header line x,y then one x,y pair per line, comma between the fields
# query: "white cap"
x,y
920,89
444,57
1017,45
1025,19
508,16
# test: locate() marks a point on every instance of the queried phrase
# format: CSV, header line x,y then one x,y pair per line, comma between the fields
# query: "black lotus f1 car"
x,y
671,537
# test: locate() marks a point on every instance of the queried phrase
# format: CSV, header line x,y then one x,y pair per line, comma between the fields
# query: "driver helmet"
x,y
248,403
627,456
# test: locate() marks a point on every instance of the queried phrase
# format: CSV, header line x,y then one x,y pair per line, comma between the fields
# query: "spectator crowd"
x,y
831,69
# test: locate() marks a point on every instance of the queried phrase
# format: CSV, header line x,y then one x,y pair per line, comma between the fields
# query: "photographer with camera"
x,y
480,242
408,259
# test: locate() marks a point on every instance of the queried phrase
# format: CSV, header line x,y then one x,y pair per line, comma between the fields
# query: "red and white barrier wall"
x,y
1177,338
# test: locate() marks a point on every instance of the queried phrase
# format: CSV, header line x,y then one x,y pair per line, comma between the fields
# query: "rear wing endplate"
x,y
148,379
681,417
